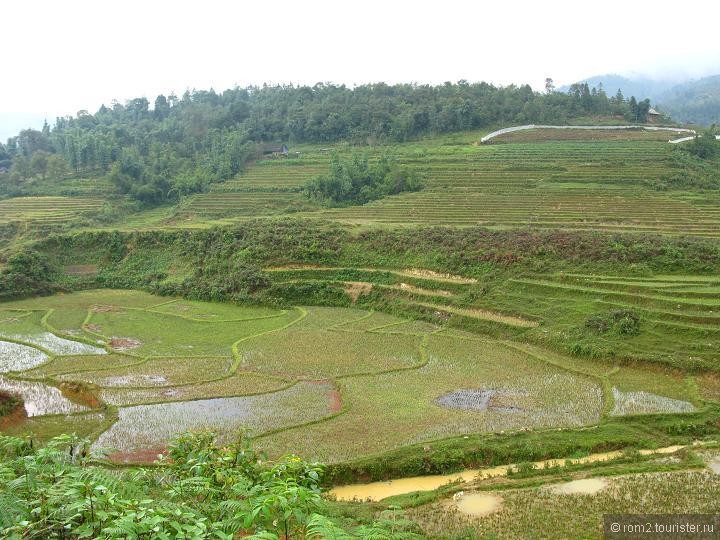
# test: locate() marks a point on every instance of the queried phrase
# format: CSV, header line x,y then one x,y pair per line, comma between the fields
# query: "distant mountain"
x,y
695,101
640,87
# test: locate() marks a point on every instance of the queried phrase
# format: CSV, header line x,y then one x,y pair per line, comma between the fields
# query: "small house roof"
x,y
653,111
274,147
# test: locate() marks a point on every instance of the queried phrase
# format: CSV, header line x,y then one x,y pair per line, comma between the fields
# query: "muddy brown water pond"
x,y
478,504
585,486
376,491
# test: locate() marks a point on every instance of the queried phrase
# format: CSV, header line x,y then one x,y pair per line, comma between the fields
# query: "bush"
x,y
203,491
226,281
9,402
625,322
28,273
704,146
357,181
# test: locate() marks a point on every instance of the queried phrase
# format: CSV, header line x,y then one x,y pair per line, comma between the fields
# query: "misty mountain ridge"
x,y
685,100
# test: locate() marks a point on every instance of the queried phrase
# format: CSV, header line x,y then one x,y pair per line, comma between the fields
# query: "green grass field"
x,y
307,379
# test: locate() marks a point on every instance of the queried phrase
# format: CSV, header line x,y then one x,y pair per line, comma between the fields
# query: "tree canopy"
x,y
181,144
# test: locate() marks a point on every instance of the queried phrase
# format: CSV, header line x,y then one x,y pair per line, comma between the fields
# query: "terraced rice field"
x,y
591,181
46,210
679,316
307,379
585,185
239,205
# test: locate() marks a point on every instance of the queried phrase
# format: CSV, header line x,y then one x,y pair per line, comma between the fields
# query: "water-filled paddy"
x,y
331,384
39,398
16,357
148,426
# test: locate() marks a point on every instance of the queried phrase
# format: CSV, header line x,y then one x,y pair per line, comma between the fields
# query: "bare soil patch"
x,y
93,327
18,416
12,408
482,314
80,393
424,292
71,331
124,344
478,504
586,486
438,276
81,269
106,309
335,401
354,289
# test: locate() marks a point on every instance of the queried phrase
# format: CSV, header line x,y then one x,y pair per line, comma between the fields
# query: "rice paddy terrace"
x,y
597,180
678,315
130,370
46,210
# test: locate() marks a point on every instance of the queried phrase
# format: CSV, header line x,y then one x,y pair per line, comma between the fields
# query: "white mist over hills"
x,y
136,48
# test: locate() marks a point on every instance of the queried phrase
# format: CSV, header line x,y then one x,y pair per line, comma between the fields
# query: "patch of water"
x,y
16,357
133,380
40,398
480,400
586,486
478,504
150,426
376,491
641,402
58,345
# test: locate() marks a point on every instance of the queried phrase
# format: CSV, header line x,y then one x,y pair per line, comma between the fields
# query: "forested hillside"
x,y
691,101
180,145
695,101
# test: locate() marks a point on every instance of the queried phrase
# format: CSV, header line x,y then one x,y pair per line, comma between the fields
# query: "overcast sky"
x,y
61,57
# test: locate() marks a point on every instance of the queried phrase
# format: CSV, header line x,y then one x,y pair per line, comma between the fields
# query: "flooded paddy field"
x,y
332,384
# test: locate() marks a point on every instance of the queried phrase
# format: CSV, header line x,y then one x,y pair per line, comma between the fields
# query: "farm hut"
x,y
275,149
653,116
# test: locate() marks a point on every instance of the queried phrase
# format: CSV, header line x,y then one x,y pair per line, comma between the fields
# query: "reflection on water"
x,y
376,491
40,398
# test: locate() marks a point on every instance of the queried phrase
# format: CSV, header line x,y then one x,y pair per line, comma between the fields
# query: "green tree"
x,y
39,163
57,167
27,273
704,146
21,169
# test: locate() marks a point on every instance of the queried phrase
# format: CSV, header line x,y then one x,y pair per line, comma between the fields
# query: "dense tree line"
x,y
181,144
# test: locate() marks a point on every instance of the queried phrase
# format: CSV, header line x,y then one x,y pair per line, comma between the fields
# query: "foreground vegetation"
x,y
202,491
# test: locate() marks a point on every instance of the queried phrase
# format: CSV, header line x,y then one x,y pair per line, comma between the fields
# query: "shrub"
x,y
28,273
625,322
357,181
9,402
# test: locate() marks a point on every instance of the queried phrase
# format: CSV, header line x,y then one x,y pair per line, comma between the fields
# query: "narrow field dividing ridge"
x,y
482,314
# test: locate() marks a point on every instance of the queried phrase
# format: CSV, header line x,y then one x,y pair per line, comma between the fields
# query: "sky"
x,y
62,57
